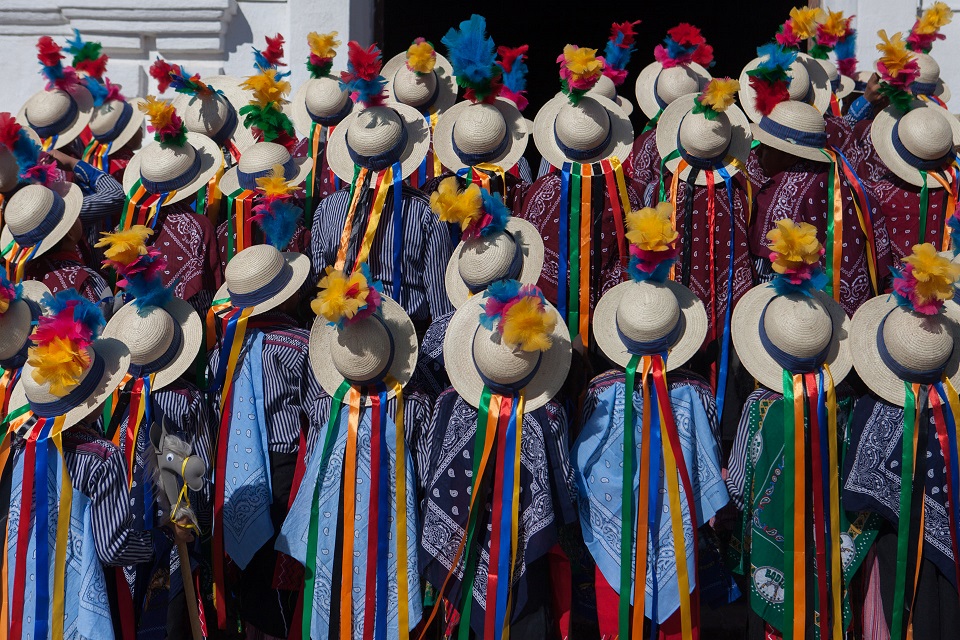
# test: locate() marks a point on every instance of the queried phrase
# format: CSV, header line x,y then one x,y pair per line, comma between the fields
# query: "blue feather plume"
x,y
773,56
26,152
618,57
278,220
847,47
85,312
516,79
147,291
493,205
471,52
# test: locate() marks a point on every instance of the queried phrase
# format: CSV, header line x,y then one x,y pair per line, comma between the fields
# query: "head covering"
x,y
680,68
19,312
616,56
20,156
320,100
831,31
483,129
421,77
258,161
261,278
494,246
37,218
790,323
71,371
575,126
381,134
60,112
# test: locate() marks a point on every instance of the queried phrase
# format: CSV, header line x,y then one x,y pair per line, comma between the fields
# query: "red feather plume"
x,y
9,130
274,51
769,94
160,71
48,51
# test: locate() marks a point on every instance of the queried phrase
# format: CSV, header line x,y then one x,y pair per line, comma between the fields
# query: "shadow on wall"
x,y
239,35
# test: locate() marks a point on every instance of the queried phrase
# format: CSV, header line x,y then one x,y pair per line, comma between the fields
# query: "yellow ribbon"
x,y
351,213
403,589
63,530
836,571
437,167
375,212
235,350
349,520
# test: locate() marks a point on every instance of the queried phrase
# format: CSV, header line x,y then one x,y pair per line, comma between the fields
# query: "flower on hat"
x,y
62,337
519,314
770,80
580,69
9,293
472,54
653,242
684,44
478,212
795,253
421,57
323,49
926,30
344,299
619,49
716,97
58,76
270,58
926,280
166,125
275,211
362,77
898,69
87,56
513,63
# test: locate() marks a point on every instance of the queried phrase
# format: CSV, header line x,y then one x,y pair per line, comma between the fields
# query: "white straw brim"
x,y
296,109
531,245
238,98
84,112
230,181
211,159
668,128
517,135
621,134
645,87
405,346
72,202
446,81
35,290
819,85
847,86
301,269
607,336
462,370
745,332
191,328
135,124
881,133
418,142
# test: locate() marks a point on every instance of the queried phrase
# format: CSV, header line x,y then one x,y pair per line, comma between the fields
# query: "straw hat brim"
x,y
296,109
72,201
517,135
881,133
405,345
668,128
230,181
621,135
116,359
238,98
301,269
645,87
211,159
418,142
798,150
625,105
462,371
135,124
191,328
819,81
447,82
847,85
531,245
84,112
874,373
608,338
745,332
35,290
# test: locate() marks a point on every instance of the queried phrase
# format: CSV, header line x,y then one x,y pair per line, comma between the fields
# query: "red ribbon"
x,y
490,619
819,523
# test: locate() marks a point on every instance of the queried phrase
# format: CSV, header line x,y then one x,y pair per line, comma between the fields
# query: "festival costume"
x,y
36,219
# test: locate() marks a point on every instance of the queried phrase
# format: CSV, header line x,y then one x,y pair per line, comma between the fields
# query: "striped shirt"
x,y
103,200
426,249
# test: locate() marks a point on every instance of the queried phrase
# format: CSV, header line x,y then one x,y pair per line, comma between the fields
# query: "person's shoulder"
x,y
85,442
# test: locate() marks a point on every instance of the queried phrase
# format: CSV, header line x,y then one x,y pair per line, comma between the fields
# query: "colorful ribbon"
x,y
315,154
239,209
143,207
834,244
97,154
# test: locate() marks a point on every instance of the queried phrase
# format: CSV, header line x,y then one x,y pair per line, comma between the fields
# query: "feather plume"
x,y
160,71
457,206
580,69
830,31
519,314
716,98
264,114
87,56
684,44
138,266
472,54
147,291
271,56
62,338
165,124
9,131
362,77
653,242
926,280
898,68
619,49
770,80
421,57
514,73
267,87
9,293
102,91
926,30
276,212
323,49
795,253
60,363
801,25
846,52
26,152
123,248
954,224
344,299
182,82
58,77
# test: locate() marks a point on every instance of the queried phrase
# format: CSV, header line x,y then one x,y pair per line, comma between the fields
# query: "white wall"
x,y
207,36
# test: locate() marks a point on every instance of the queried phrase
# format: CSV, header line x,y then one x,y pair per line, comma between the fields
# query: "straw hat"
x,y
929,81
913,341
800,326
794,127
216,114
110,359
861,79
657,87
606,89
477,263
258,161
594,129
58,113
9,166
388,133
319,100
648,312
496,133
435,89
16,323
501,363
116,122
38,215
365,350
809,84
263,278
842,86
922,138
161,340
157,164
726,138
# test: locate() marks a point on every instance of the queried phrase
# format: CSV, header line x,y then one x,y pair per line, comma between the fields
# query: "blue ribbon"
x,y
817,140
563,240
126,112
651,347
57,127
506,519
248,181
227,128
471,159
176,183
383,519
397,233
40,530
52,218
918,88
148,507
725,341
264,293
653,505
917,161
221,372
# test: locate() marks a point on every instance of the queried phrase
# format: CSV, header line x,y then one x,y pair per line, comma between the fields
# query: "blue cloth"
x,y
860,110
86,606
293,535
248,492
598,464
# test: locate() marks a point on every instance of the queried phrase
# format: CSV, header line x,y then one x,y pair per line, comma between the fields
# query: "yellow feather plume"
x,y
323,45
582,62
934,274
421,57
275,184
60,363
125,246
159,112
340,296
455,206
651,229
934,18
267,88
720,94
528,325
4,305
835,23
805,21
893,52
795,245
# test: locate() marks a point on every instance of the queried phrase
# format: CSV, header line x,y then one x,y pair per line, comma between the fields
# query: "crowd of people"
x,y
333,363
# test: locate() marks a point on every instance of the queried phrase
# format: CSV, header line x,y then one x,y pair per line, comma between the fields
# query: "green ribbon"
x,y
789,479
6,249
652,122
308,203
831,187
310,573
231,214
626,499
906,496
573,306
202,199
13,415
673,155
924,207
